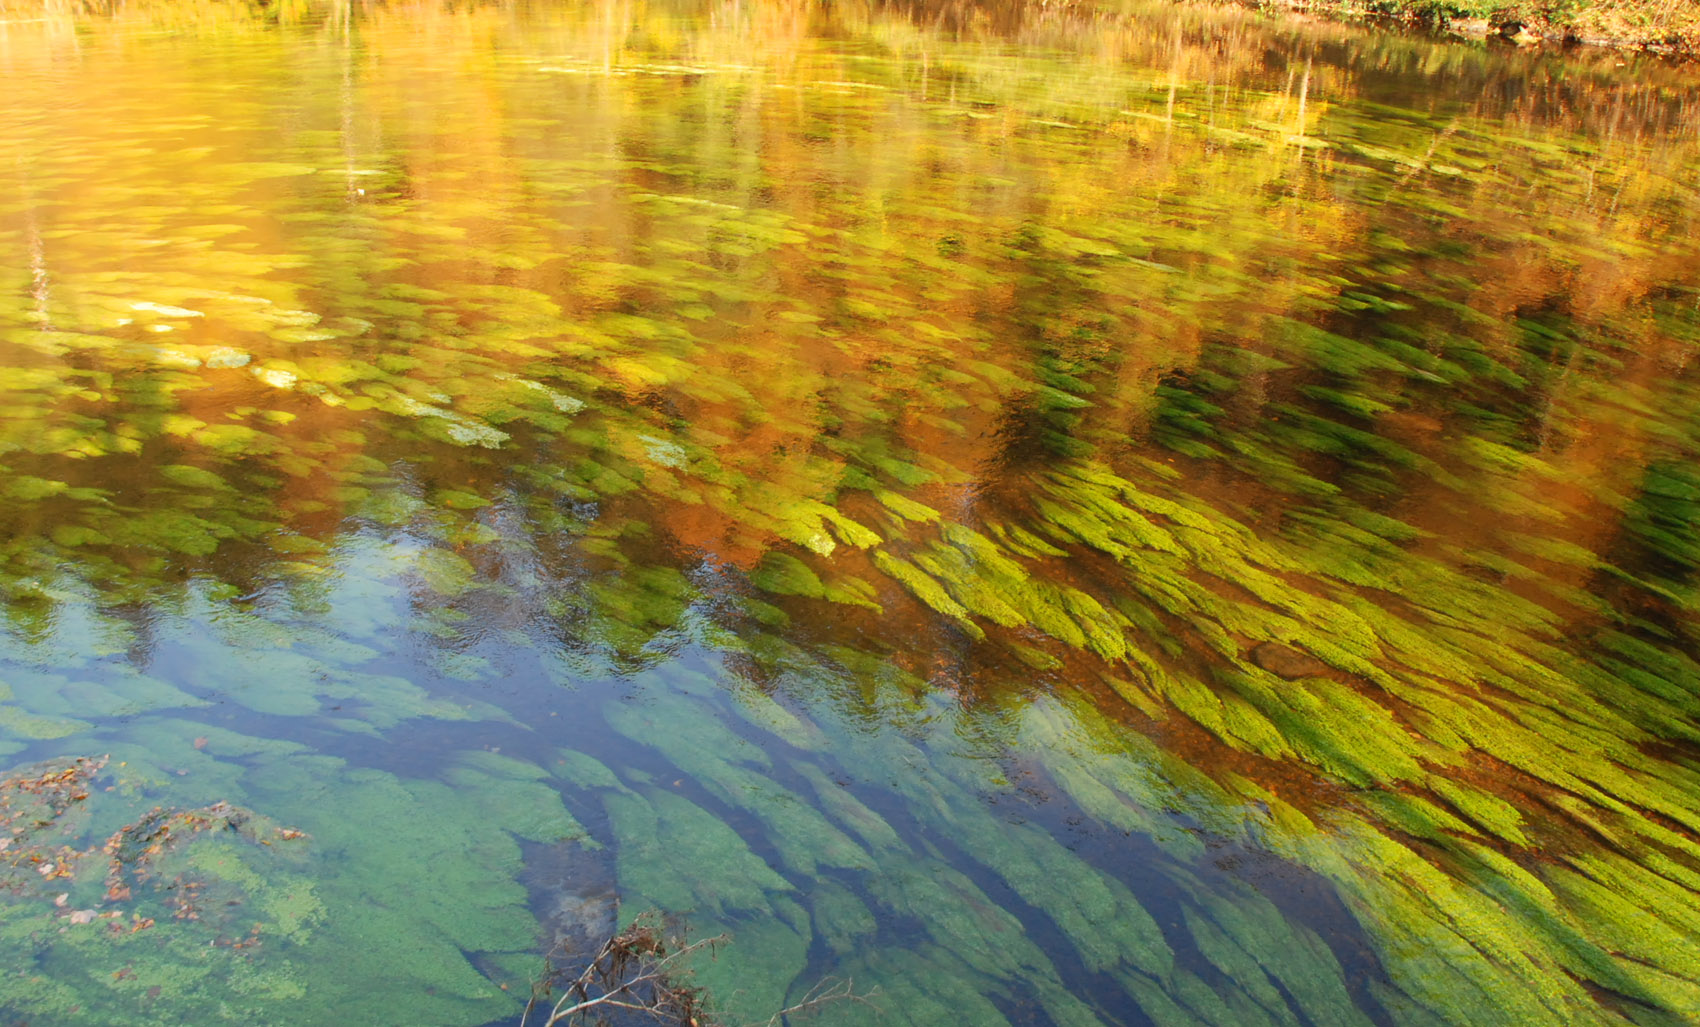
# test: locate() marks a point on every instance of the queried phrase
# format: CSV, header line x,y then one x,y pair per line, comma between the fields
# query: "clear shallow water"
x,y
1061,519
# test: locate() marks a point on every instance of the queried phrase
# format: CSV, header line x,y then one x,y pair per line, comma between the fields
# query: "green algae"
x,y
221,929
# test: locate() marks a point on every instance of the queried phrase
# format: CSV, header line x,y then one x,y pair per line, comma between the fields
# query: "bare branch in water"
x,y
639,970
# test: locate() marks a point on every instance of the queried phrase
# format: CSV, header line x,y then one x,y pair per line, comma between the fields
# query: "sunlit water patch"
x,y
1149,518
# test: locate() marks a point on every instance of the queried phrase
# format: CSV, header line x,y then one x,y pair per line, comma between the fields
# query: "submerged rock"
x,y
41,815
575,897
169,865
1287,662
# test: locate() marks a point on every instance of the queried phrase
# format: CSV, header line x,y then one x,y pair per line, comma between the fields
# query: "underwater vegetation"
x,y
1054,518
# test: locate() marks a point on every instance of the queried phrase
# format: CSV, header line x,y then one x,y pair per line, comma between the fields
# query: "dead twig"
x,y
637,970
826,992
640,970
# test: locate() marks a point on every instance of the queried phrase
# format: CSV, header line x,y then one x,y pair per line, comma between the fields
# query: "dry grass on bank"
x,y
1669,26
1671,23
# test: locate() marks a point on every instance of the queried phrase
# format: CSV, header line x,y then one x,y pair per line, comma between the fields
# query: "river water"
x,y
1151,517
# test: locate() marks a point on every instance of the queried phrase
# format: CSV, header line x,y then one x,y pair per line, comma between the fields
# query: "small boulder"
x,y
1287,662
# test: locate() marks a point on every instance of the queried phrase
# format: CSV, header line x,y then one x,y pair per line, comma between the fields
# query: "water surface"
x,y
1154,518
